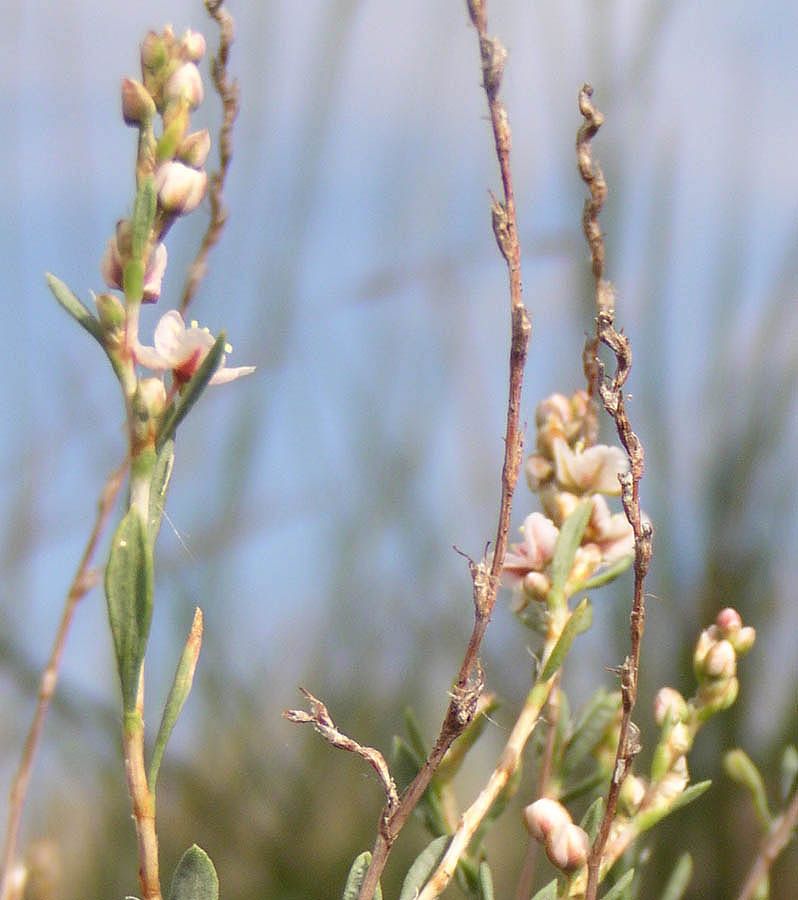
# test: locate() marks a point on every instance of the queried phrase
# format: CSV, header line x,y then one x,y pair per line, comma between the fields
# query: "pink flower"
x,y
182,350
180,188
113,261
594,469
185,83
537,549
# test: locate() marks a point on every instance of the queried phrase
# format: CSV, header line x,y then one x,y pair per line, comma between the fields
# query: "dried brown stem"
x,y
84,580
773,843
229,93
322,721
611,392
485,578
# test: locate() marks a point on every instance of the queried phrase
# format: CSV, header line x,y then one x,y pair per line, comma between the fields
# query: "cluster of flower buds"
x,y
566,844
564,471
715,664
175,159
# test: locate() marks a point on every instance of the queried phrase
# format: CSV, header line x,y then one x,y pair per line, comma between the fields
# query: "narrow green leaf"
x,y
739,766
619,890
128,591
143,217
583,787
192,392
181,687
547,893
159,485
357,874
605,576
592,818
650,817
195,877
485,882
414,734
423,866
405,764
575,625
788,772
75,308
569,539
679,880
591,726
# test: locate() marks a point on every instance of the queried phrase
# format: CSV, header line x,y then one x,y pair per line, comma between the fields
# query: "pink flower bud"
x,y
153,394
544,816
193,45
728,621
721,660
633,790
567,847
137,103
669,701
180,188
193,151
185,83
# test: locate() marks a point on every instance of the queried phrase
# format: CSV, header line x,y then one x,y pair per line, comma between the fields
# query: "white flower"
x,y
180,188
594,469
182,350
537,549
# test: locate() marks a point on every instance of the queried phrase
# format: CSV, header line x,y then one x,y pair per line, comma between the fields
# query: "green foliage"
x,y
159,485
549,892
568,542
423,866
622,889
195,877
75,308
192,392
577,622
357,874
679,879
128,590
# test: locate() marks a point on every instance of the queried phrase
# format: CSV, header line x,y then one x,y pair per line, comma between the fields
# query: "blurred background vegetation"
x,y
314,506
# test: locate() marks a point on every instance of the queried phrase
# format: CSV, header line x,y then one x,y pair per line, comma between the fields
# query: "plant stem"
x,y
82,583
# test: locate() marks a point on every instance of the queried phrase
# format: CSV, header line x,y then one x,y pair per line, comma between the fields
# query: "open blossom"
x,y
180,188
537,549
182,350
594,469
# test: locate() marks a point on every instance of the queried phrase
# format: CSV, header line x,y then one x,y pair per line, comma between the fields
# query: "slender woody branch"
x,y
485,576
611,393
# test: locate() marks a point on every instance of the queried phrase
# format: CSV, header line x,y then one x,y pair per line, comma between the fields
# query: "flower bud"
x,y
111,312
153,274
743,640
180,188
633,790
721,660
715,695
153,395
544,816
567,847
669,702
728,621
538,470
185,83
679,740
193,151
536,585
193,45
137,104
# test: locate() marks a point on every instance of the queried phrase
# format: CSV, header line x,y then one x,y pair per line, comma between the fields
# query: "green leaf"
x,y
181,687
739,766
192,392
128,591
573,626
568,541
161,475
592,818
405,765
591,726
788,772
195,877
605,576
679,881
75,308
356,876
547,893
423,866
485,882
414,734
618,890
143,217
583,787
650,817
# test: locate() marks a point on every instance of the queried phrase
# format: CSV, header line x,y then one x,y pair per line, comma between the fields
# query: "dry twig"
x,y
611,393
